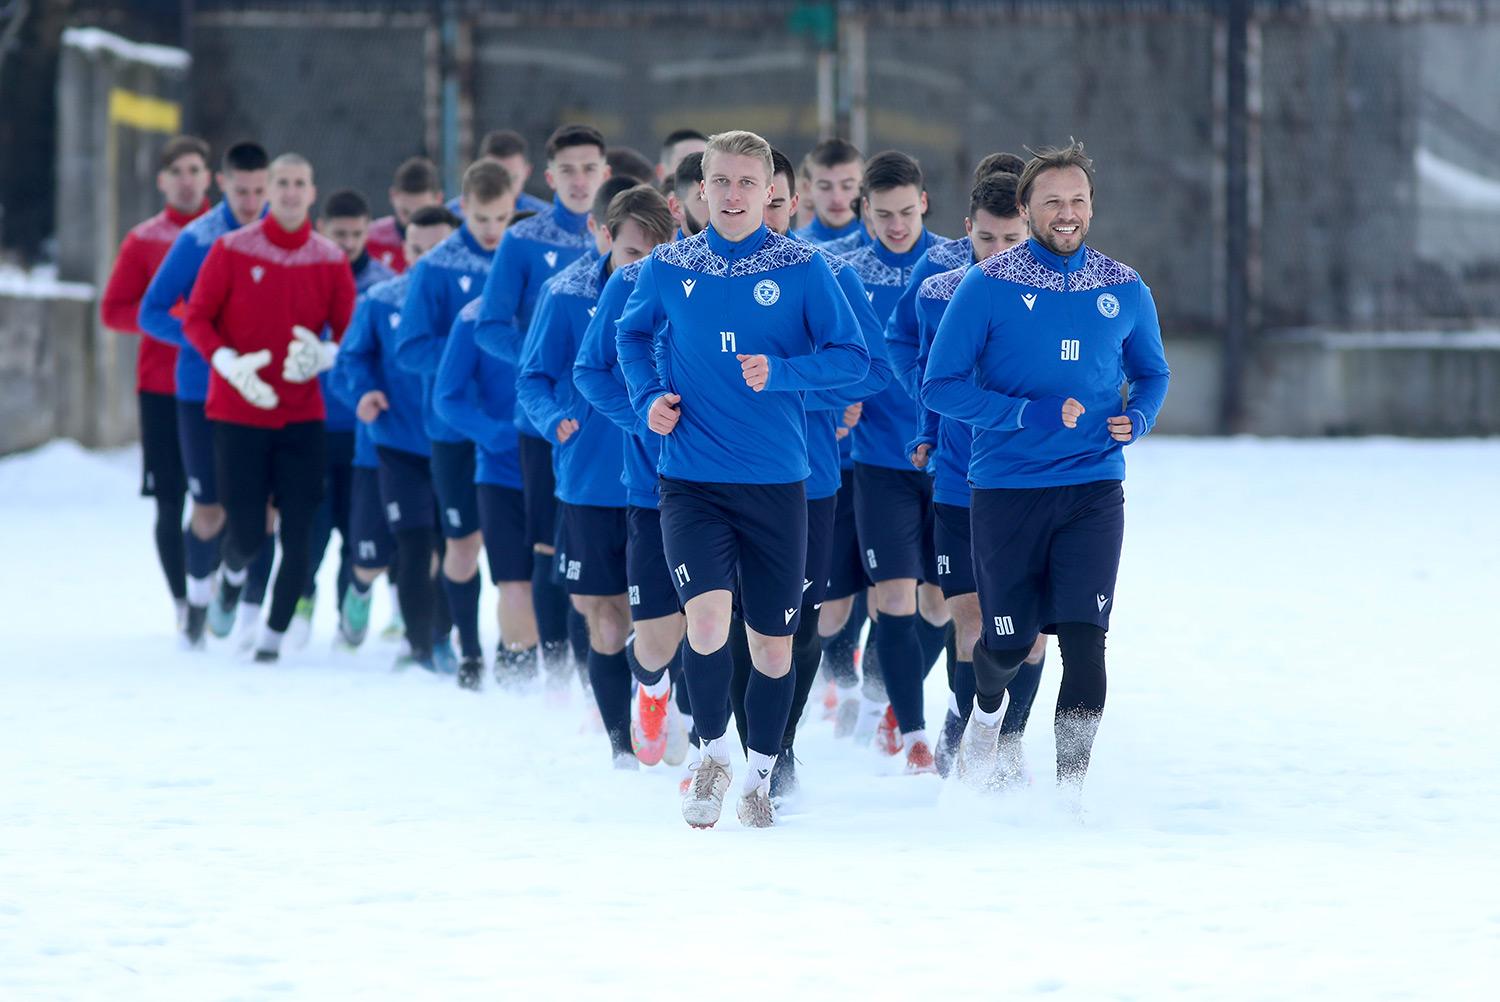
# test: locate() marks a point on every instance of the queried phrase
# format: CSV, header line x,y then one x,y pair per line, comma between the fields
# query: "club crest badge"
x,y
767,292
1108,305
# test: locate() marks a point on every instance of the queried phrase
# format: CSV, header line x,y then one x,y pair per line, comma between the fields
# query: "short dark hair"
x,y
417,176
434,215
346,203
486,181
645,205
1054,158
680,136
782,164
832,152
629,162
689,172
607,191
503,143
245,156
1008,163
995,193
181,146
891,169
575,135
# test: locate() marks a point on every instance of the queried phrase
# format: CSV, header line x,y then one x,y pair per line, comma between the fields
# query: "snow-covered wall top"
x,y
94,40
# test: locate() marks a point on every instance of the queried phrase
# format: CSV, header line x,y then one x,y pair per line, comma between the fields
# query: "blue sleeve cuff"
x,y
1138,426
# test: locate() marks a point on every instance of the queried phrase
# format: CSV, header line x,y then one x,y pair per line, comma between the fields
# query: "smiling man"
x,y
722,335
834,170
1032,352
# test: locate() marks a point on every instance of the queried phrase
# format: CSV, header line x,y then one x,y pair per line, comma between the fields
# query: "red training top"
x,y
140,255
385,244
256,284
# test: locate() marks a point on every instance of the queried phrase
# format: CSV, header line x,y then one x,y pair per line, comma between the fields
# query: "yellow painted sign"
x,y
140,111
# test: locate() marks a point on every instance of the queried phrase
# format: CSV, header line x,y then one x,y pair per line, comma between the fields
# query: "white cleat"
x,y
978,753
755,809
246,627
704,800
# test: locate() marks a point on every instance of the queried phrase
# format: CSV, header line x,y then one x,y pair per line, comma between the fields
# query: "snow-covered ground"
x,y
1295,794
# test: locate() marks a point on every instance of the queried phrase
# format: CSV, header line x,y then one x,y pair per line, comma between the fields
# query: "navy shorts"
x,y
750,539
820,514
893,509
540,485
406,490
648,582
846,570
1044,556
955,555
373,542
195,438
453,481
162,474
502,519
593,548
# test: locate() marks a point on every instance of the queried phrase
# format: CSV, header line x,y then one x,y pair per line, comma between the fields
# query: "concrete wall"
x,y
49,386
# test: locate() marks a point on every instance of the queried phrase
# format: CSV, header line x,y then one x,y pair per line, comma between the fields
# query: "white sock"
x,y
907,737
985,717
718,748
759,773
270,640
952,703
200,591
236,577
661,688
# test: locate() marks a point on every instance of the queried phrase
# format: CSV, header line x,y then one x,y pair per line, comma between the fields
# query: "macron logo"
x,y
1029,298
789,614
1103,600
551,258
395,320
592,311
464,281
687,287
257,273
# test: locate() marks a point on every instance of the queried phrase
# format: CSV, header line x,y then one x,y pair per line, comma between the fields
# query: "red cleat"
x,y
648,727
830,702
888,734
919,761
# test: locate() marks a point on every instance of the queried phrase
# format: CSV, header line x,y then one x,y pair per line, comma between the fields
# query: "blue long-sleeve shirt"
x,y
950,440
700,302
475,393
901,334
339,413
1029,324
532,251
443,281
172,284
601,381
367,361
589,464
889,419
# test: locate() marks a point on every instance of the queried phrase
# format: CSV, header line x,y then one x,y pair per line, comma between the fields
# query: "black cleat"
x,y
193,625
264,657
784,775
470,673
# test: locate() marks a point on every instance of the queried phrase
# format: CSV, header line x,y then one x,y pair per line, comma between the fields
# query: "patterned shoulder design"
x,y
1100,272
1020,266
692,254
543,229
454,253
873,271
776,253
953,254
208,227
839,246
581,279
631,271
159,229
942,285
252,241
835,263
391,292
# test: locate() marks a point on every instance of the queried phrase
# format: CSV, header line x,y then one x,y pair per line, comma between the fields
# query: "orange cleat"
x,y
919,761
888,734
648,727
830,701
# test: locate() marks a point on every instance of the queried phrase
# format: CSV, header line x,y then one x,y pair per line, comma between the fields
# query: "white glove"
x,y
239,371
307,355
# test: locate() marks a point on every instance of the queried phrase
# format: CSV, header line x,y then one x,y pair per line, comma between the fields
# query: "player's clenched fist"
x,y
664,413
756,369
